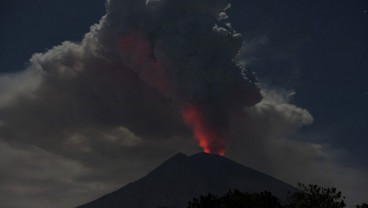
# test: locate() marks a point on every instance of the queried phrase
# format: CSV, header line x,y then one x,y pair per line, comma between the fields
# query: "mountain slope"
x,y
181,178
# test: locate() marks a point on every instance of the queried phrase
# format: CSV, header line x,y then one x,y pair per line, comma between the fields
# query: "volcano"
x,y
182,177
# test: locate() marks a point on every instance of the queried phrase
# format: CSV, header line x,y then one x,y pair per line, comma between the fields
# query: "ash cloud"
x,y
106,110
119,91
268,139
136,68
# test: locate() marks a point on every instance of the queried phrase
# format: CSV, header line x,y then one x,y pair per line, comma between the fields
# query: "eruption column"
x,y
184,51
208,136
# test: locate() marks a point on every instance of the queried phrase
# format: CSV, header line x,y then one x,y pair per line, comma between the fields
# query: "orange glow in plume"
x,y
137,53
136,50
207,135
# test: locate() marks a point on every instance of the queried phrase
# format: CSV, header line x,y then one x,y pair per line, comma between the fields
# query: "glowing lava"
x,y
137,53
208,136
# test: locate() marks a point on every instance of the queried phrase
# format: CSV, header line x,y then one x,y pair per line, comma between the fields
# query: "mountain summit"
x,y
182,177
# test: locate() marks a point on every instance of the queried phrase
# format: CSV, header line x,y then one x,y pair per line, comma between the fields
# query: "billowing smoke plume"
x,y
185,50
137,84
153,67
84,118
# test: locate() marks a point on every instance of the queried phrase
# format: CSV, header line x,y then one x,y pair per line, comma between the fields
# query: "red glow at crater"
x,y
206,133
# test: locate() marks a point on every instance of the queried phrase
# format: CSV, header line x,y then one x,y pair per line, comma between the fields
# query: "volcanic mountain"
x,y
182,177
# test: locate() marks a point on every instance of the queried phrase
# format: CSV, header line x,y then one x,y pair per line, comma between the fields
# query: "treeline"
x,y
311,196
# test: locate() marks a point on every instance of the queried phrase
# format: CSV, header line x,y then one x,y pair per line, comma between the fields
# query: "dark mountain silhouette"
x,y
181,178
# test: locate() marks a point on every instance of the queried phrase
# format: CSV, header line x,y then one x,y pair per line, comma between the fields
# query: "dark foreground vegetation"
x,y
311,196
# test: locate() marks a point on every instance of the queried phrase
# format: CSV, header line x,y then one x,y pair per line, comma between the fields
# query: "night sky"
x,y
326,63
311,61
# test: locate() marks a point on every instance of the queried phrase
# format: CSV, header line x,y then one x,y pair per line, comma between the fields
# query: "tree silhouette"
x,y
209,200
314,196
364,205
311,196
236,199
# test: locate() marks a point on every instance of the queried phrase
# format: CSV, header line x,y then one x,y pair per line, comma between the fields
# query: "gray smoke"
x,y
85,118
137,68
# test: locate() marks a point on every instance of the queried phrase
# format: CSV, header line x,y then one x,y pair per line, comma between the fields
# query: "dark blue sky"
x,y
328,42
35,26
320,50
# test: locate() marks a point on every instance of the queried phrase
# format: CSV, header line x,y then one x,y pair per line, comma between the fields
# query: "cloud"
x,y
13,86
32,177
135,69
85,118
268,139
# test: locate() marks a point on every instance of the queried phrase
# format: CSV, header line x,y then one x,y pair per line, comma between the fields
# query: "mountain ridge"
x,y
182,177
